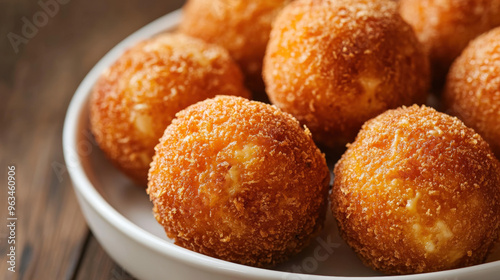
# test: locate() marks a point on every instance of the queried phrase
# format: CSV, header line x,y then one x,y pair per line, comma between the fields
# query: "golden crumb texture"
x,y
472,90
239,180
418,191
240,26
336,64
137,97
445,27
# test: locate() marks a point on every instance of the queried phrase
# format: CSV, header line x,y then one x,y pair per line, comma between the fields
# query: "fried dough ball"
x,y
335,64
239,180
445,27
472,90
138,96
418,191
240,26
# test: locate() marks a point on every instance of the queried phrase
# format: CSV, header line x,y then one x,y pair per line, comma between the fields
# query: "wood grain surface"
x,y
40,68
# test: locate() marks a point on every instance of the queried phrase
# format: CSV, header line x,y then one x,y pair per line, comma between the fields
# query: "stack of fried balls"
x,y
416,190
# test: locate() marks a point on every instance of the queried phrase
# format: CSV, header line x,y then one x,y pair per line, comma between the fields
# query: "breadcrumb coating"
x,y
472,91
239,180
336,64
445,27
240,26
416,192
137,97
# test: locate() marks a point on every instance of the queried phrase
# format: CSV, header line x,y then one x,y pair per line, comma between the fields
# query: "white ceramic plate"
x,y
119,213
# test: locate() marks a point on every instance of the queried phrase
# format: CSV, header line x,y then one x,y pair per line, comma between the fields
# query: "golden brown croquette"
x,y
336,64
418,191
445,27
472,90
239,180
240,26
137,97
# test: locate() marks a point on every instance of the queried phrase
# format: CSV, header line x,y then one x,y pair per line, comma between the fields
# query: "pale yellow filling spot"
x,y
438,234
431,238
394,184
404,122
435,132
443,231
242,157
411,204
248,152
143,124
237,160
370,85
429,246
233,179
142,120
395,143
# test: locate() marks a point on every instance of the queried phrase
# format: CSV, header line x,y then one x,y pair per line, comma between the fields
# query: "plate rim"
x,y
83,185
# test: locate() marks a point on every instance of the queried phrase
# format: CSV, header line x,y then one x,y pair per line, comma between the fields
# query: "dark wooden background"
x,y
36,85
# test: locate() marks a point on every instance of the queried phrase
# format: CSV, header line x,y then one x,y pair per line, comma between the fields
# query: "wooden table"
x,y
44,54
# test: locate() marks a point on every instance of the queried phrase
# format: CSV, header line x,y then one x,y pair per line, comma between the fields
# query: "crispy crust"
x,y
472,90
240,26
417,191
239,180
446,27
335,64
138,96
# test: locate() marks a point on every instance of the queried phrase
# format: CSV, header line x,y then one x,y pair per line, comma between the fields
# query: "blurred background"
x,y
46,49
